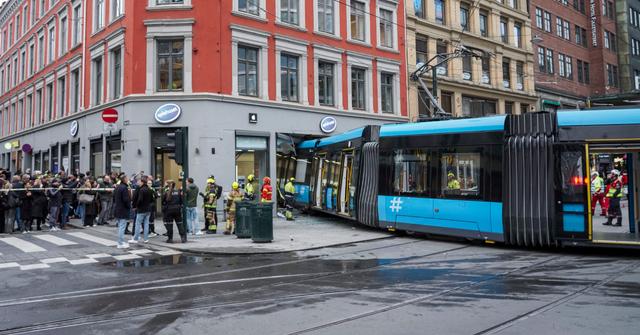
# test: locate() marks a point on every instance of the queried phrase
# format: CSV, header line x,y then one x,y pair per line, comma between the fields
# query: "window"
x,y
49,99
506,72
419,8
421,49
25,22
358,89
28,111
358,26
524,108
464,16
568,67
386,28
249,6
484,23
581,36
63,35
439,8
33,12
636,79
325,83
517,34
23,64
610,41
326,16
32,60
77,25
411,168
97,81
579,5
635,47
247,71
98,15
38,107
18,24
52,45
612,75
547,21
62,96
467,72
477,107
42,7
508,107
289,77
170,65
561,65
40,52
486,70
117,9
445,101
116,73
290,11
503,30
549,61
566,30
171,2
559,26
520,75
460,174
74,101
386,92
441,50
539,18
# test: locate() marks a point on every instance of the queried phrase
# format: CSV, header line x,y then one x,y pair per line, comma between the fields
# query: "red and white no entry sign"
x,y
110,115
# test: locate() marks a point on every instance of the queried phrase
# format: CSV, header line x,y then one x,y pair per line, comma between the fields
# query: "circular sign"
x,y
26,148
73,130
8,146
168,113
110,115
328,124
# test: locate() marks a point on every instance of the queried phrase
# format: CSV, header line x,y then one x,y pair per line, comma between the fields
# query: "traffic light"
x,y
177,143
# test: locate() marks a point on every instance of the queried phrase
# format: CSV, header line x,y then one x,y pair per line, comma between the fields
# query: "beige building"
x,y
500,83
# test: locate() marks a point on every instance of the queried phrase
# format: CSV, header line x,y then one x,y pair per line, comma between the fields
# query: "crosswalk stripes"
x,y
9,265
34,266
55,240
94,239
127,257
54,260
23,245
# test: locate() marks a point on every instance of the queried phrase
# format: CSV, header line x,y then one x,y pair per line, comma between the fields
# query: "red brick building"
x,y
241,74
575,42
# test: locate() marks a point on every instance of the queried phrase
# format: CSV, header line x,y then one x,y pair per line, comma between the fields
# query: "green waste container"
x,y
262,224
245,211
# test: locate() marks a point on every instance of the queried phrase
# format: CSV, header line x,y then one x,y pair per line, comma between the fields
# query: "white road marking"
x,y
82,261
126,257
94,239
34,266
55,240
95,256
9,265
54,260
168,252
141,251
22,244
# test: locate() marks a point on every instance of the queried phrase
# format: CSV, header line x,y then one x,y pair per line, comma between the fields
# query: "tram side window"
x,y
411,172
460,174
572,174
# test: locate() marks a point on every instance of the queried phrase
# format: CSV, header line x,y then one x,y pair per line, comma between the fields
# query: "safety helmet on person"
x,y
594,173
235,185
292,179
251,177
266,180
211,181
616,172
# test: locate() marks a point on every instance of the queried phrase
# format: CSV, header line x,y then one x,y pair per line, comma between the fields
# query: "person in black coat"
x,y
172,211
142,202
90,208
25,210
122,208
67,198
55,202
39,204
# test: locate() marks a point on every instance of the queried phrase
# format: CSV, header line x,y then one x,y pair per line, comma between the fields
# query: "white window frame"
x,y
390,6
167,29
301,15
297,48
329,55
363,62
336,19
112,11
262,14
249,37
51,54
153,5
367,23
114,43
77,104
96,15
41,56
76,23
45,107
96,52
389,66
60,109
62,51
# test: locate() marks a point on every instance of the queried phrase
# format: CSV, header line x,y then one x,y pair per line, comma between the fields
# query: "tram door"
x,y
345,184
319,163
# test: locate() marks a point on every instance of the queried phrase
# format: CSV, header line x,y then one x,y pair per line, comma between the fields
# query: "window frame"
x,y
171,57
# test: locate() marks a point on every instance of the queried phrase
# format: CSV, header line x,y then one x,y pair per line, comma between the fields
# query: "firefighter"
x,y
172,201
249,189
234,196
289,198
597,194
210,198
614,195
267,190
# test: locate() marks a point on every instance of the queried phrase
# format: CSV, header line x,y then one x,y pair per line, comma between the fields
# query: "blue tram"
x,y
517,179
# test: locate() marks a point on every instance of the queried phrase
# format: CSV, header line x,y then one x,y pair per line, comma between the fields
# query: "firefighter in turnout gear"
x,y
614,195
210,198
234,196
289,198
267,190
249,189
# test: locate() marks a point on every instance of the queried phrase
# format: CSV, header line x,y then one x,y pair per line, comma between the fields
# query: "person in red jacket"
x,y
267,190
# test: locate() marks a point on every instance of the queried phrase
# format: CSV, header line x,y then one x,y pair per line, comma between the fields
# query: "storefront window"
x,y
251,157
45,161
96,157
37,162
55,164
75,156
65,164
114,154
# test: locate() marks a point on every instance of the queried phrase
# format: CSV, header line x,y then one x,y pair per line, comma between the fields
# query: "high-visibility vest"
x,y
596,185
616,186
289,188
249,189
453,184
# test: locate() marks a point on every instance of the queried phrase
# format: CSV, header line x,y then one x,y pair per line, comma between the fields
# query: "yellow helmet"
x,y
292,179
451,174
251,177
235,185
211,181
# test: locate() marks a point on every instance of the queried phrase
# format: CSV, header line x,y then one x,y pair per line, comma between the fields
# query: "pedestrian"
x,y
122,208
69,185
614,195
55,203
10,212
18,199
597,194
210,198
289,198
152,218
142,200
3,206
266,193
39,203
105,197
233,197
172,211
88,199
27,204
192,207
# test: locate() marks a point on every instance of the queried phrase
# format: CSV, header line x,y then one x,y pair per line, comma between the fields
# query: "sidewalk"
x,y
305,233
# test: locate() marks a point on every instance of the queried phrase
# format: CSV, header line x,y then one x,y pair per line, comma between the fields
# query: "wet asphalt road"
x,y
393,286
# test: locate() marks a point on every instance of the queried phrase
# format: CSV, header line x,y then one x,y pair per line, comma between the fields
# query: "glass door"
x,y
572,183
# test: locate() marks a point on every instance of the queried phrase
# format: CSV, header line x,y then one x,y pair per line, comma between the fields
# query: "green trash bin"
x,y
245,211
262,224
